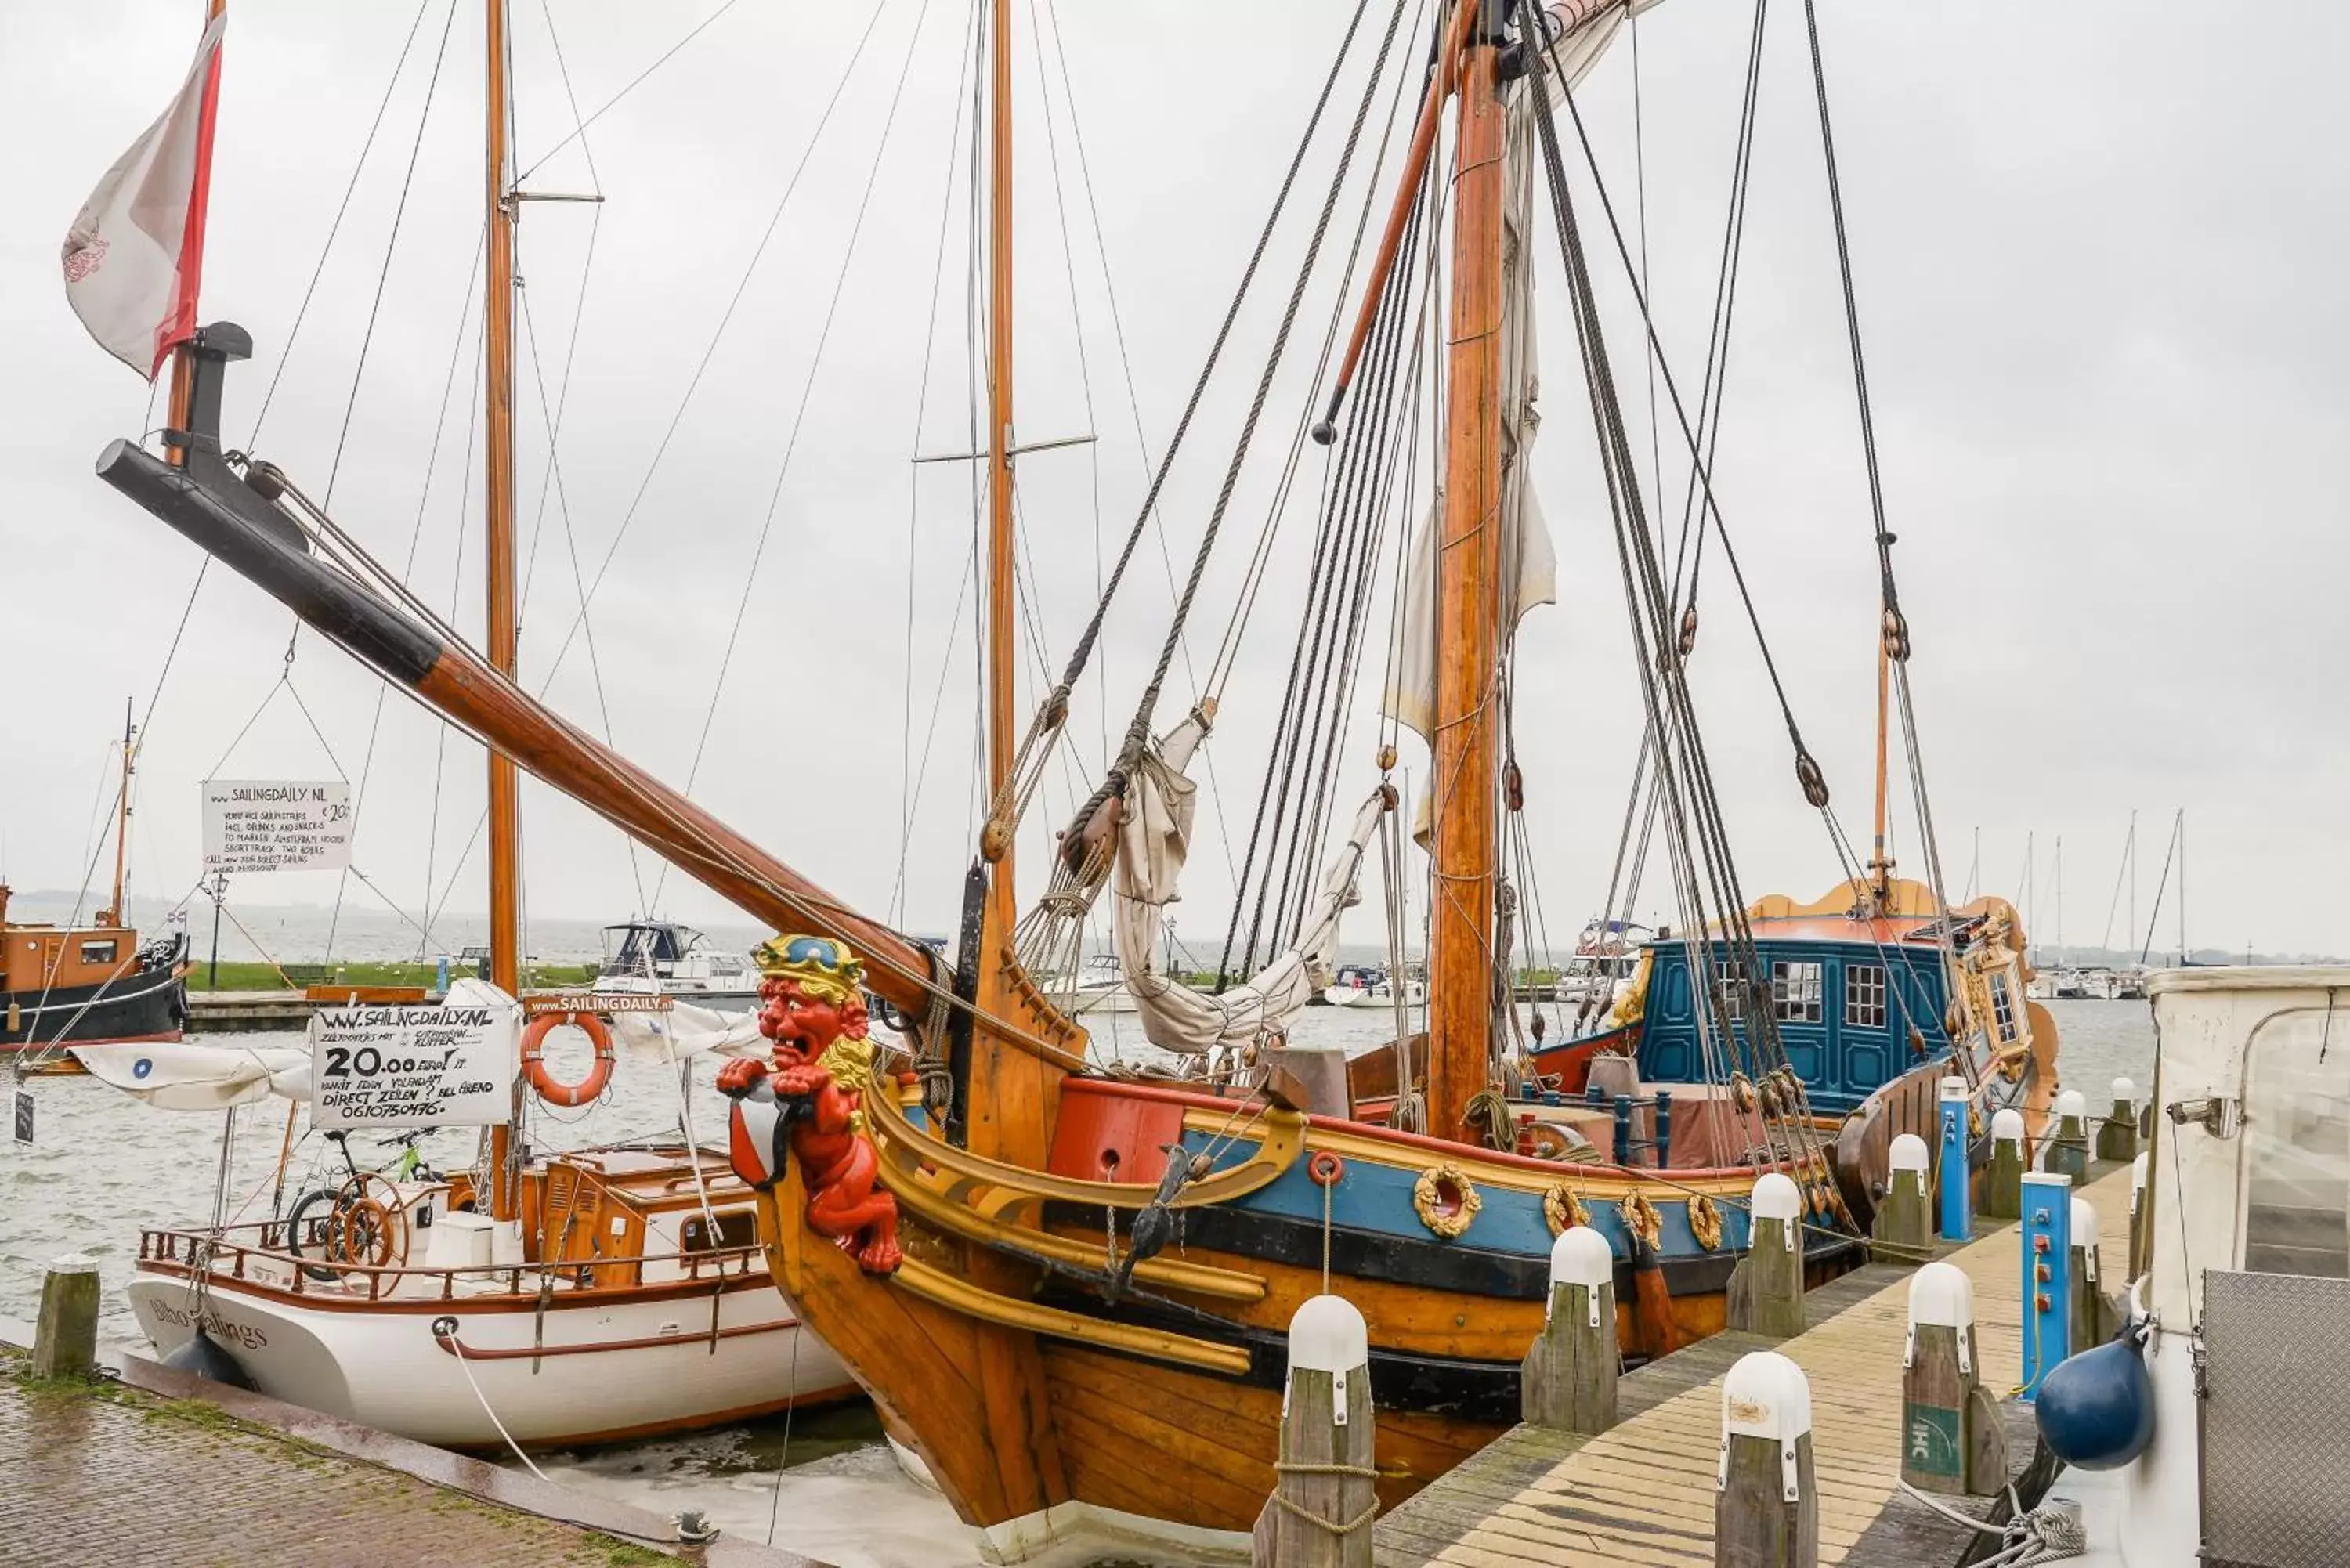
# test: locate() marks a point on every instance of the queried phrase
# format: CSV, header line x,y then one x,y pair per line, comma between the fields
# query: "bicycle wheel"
x,y
310,1222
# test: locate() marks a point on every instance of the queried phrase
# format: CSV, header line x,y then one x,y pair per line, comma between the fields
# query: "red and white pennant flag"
x,y
135,252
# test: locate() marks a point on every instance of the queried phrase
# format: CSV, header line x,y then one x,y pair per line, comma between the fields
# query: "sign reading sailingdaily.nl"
x,y
378,1066
276,825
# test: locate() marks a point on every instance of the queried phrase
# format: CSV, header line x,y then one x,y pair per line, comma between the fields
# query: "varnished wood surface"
x,y
1468,569
1643,1492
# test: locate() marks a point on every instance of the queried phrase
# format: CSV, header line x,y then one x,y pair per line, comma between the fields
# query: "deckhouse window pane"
x,y
2297,1147
1864,995
1795,991
1730,984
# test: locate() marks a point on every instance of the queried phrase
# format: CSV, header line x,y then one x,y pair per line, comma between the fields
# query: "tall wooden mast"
x,y
1467,603
498,512
498,501
114,916
1003,905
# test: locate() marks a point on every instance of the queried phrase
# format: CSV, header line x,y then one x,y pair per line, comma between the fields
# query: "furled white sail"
x,y
686,1030
184,1077
1529,567
1153,841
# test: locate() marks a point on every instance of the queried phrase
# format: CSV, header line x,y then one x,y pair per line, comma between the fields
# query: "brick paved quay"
x,y
106,1475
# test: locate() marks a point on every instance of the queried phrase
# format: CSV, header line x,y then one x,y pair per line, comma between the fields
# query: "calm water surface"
x,y
104,1166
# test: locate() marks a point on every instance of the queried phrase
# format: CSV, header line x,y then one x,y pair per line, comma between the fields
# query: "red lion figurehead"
x,y
809,1103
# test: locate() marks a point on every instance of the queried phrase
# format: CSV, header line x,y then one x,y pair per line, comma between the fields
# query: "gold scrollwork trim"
x,y
1428,1199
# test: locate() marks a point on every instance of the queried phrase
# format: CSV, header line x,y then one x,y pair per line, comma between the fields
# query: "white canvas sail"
x,y
132,257
1529,567
1153,841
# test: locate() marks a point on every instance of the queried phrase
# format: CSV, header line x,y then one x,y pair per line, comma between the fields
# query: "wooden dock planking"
x,y
1642,1493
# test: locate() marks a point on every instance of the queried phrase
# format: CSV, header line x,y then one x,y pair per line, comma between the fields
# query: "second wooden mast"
x,y
498,514
1463,992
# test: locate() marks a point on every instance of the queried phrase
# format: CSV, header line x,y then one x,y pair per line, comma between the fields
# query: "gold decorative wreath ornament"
x,y
1562,1210
1705,1221
1641,1219
1445,1199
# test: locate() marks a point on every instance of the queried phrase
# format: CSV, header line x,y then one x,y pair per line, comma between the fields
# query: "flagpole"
x,y
192,258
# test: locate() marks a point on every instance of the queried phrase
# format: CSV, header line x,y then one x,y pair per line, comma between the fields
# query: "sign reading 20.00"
x,y
451,1065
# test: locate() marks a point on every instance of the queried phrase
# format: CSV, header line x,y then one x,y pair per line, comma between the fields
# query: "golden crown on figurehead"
x,y
824,968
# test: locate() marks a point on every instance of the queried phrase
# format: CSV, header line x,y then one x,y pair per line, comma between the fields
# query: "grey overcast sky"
x,y
2099,256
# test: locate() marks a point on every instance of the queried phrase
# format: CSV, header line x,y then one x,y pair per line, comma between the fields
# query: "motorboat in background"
x,y
1372,985
664,958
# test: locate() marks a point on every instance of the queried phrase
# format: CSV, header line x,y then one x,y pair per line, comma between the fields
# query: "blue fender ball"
x,y
2096,1409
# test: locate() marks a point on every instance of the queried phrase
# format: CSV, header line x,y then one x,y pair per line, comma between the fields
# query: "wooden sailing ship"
x,y
92,985
1068,1292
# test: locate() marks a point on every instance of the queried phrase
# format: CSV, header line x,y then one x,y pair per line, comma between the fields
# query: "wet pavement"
x,y
99,1474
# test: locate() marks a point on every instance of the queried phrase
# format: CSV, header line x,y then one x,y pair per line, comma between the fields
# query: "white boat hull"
x,y
383,1366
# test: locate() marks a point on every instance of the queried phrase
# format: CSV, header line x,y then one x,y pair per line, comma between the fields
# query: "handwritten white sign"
x,y
276,825
412,1066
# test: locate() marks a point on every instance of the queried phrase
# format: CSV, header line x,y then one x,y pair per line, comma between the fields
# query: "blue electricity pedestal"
x,y
1957,1198
2048,1282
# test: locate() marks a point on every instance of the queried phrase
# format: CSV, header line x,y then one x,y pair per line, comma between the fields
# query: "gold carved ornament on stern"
x,y
1562,1210
1705,1221
1445,1199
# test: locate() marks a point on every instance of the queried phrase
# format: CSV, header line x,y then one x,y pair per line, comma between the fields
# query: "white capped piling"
x,y
1325,1493
2118,1138
2068,1151
2004,1185
1903,1229
2141,1171
65,1339
1766,1288
1950,1428
1766,1508
1569,1374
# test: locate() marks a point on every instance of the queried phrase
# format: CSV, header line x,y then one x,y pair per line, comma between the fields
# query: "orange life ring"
x,y
546,1084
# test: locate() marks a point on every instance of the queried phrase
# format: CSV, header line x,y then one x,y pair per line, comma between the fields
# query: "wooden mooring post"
x,y
2068,1151
2004,1185
1766,1507
1950,1427
2118,1138
2094,1319
65,1339
1766,1287
1903,1230
1569,1374
1325,1493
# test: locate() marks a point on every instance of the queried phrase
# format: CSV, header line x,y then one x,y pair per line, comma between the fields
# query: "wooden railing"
x,y
222,1253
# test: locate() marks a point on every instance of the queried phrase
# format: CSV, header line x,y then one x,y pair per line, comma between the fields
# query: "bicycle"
x,y
357,1222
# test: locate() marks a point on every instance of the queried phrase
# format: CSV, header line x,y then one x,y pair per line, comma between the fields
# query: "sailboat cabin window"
x,y
1795,992
2002,1008
1864,995
107,951
1730,984
2297,1146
